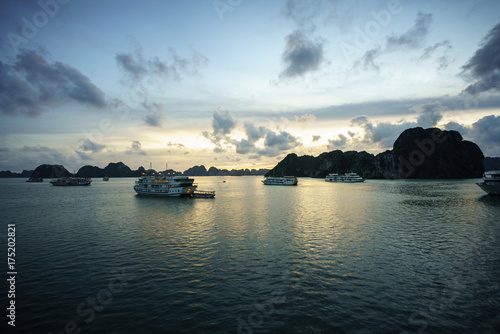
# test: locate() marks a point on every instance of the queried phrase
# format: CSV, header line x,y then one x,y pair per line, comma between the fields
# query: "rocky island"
x,y
417,154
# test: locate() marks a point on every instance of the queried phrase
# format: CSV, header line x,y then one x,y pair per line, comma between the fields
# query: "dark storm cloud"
x,y
274,142
135,148
414,37
464,130
244,146
254,133
32,84
39,154
282,141
398,107
83,155
156,114
247,145
429,114
136,67
222,122
338,143
88,145
301,55
484,66
486,131
383,133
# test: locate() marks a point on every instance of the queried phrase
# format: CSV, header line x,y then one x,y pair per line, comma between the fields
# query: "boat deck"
x,y
204,193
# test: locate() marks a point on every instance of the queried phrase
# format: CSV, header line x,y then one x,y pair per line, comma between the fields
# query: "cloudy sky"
x,y
240,83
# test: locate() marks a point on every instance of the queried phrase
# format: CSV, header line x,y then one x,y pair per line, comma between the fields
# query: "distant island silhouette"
x,y
119,169
417,154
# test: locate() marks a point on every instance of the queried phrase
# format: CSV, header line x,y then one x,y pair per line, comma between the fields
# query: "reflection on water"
x,y
378,256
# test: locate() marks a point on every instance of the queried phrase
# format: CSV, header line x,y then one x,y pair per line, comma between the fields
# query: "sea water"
x,y
383,256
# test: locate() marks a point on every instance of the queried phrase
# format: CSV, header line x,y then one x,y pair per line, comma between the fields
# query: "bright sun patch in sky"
x,y
240,84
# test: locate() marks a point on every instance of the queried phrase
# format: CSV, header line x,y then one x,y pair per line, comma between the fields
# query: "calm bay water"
x,y
377,257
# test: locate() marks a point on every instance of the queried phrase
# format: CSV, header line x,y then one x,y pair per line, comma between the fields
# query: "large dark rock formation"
x,y
91,171
113,169
118,169
417,153
50,171
432,153
196,171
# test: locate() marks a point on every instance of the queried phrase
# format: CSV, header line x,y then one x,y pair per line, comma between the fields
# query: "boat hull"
x,y
34,180
346,181
69,184
490,189
170,192
204,194
281,181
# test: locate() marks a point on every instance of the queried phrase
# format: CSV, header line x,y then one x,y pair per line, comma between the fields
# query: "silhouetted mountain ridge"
x,y
417,154
119,169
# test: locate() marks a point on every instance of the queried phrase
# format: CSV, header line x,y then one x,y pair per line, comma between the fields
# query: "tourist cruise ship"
x,y
162,185
72,181
282,180
347,177
491,182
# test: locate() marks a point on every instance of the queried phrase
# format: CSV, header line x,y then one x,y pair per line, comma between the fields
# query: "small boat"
x,y
491,182
347,177
105,178
204,193
34,179
281,180
71,181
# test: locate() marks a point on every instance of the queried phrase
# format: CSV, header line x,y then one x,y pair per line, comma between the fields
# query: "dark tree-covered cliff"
x,y
417,153
50,171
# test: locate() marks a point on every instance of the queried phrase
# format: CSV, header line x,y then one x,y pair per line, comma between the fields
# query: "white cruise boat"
x,y
161,185
282,180
491,182
72,181
347,177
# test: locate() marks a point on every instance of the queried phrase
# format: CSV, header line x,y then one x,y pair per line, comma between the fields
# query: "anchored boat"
x,y
281,181
34,179
491,182
347,177
161,185
71,181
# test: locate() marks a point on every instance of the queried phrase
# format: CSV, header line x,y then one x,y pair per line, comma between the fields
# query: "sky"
x,y
239,83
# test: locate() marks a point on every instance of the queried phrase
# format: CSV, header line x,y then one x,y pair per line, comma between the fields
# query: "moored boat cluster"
x,y
176,186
